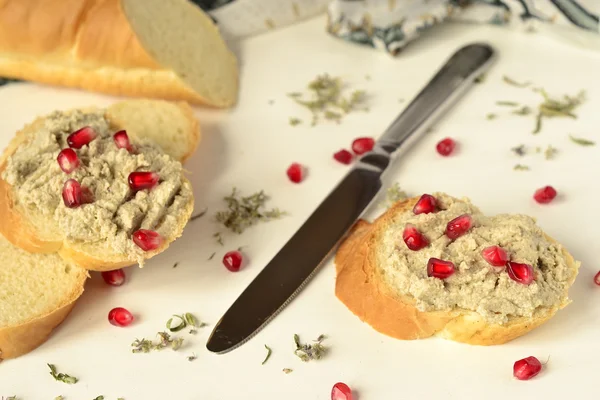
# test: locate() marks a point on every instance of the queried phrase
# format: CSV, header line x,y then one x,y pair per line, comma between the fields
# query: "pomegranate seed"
x,y
522,273
295,172
527,368
413,238
81,137
425,205
597,278
343,156
232,260
71,193
363,145
439,268
341,391
545,195
143,180
114,278
122,140
147,240
459,226
68,160
120,317
445,147
495,256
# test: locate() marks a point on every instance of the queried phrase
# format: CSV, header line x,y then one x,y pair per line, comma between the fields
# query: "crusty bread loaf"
x,y
37,292
362,287
166,49
37,229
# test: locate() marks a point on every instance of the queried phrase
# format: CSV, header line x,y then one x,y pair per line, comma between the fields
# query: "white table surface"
x,y
251,147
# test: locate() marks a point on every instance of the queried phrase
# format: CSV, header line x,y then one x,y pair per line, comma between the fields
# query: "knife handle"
x,y
451,81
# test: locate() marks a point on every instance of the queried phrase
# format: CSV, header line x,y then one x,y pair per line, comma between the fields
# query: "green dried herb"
x,y
520,150
523,111
70,380
165,340
307,352
393,195
550,152
538,123
326,100
512,82
288,370
295,121
246,211
581,141
219,237
491,116
212,256
480,78
99,398
507,103
176,323
176,264
59,398
269,351
192,357
521,167
551,108
12,398
199,215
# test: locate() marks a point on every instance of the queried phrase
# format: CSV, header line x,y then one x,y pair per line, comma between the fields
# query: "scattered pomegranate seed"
x,y
71,193
363,145
68,160
413,238
343,156
114,278
81,137
341,391
232,260
295,172
425,205
527,368
122,140
120,317
147,240
459,226
522,273
597,278
545,195
143,180
495,256
439,268
445,147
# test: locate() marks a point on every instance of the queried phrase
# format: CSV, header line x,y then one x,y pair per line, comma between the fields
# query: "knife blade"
x,y
300,258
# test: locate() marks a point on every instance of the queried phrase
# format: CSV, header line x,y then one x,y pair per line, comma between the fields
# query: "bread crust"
x,y
361,288
19,231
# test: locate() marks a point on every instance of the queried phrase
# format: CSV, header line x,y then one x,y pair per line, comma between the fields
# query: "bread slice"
x,y
363,284
97,236
37,292
164,49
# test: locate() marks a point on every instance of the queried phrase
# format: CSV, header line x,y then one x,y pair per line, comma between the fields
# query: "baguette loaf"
x,y
166,49
97,235
388,286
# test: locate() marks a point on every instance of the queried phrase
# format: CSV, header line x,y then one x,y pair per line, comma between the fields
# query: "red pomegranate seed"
x,y
545,195
459,226
295,172
143,180
597,278
120,317
343,156
522,273
413,238
81,137
232,260
445,147
68,160
114,278
71,193
363,145
341,391
147,240
122,140
439,268
425,205
527,368
495,256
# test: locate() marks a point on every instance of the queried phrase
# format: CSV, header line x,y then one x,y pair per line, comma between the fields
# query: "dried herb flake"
x,y
551,108
512,82
245,211
165,340
99,398
269,351
70,380
288,370
295,121
520,150
581,141
550,152
507,103
199,215
521,167
307,352
192,357
491,116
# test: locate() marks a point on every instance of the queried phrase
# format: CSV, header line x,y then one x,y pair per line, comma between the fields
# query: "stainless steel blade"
x,y
291,269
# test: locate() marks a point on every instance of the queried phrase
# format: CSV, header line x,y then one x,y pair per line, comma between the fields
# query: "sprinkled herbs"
x,y
507,103
12,398
522,111
287,370
99,398
212,256
243,212
176,264
512,82
165,340
218,237
326,99
192,357
180,322
269,351
491,116
581,141
307,352
550,152
59,398
551,108
295,121
70,380
521,167
519,150
199,215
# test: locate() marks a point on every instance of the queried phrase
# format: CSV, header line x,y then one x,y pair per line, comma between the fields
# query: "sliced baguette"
x,y
361,287
32,232
165,49
37,292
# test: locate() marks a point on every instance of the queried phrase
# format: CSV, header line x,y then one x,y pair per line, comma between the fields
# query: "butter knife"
x,y
299,259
